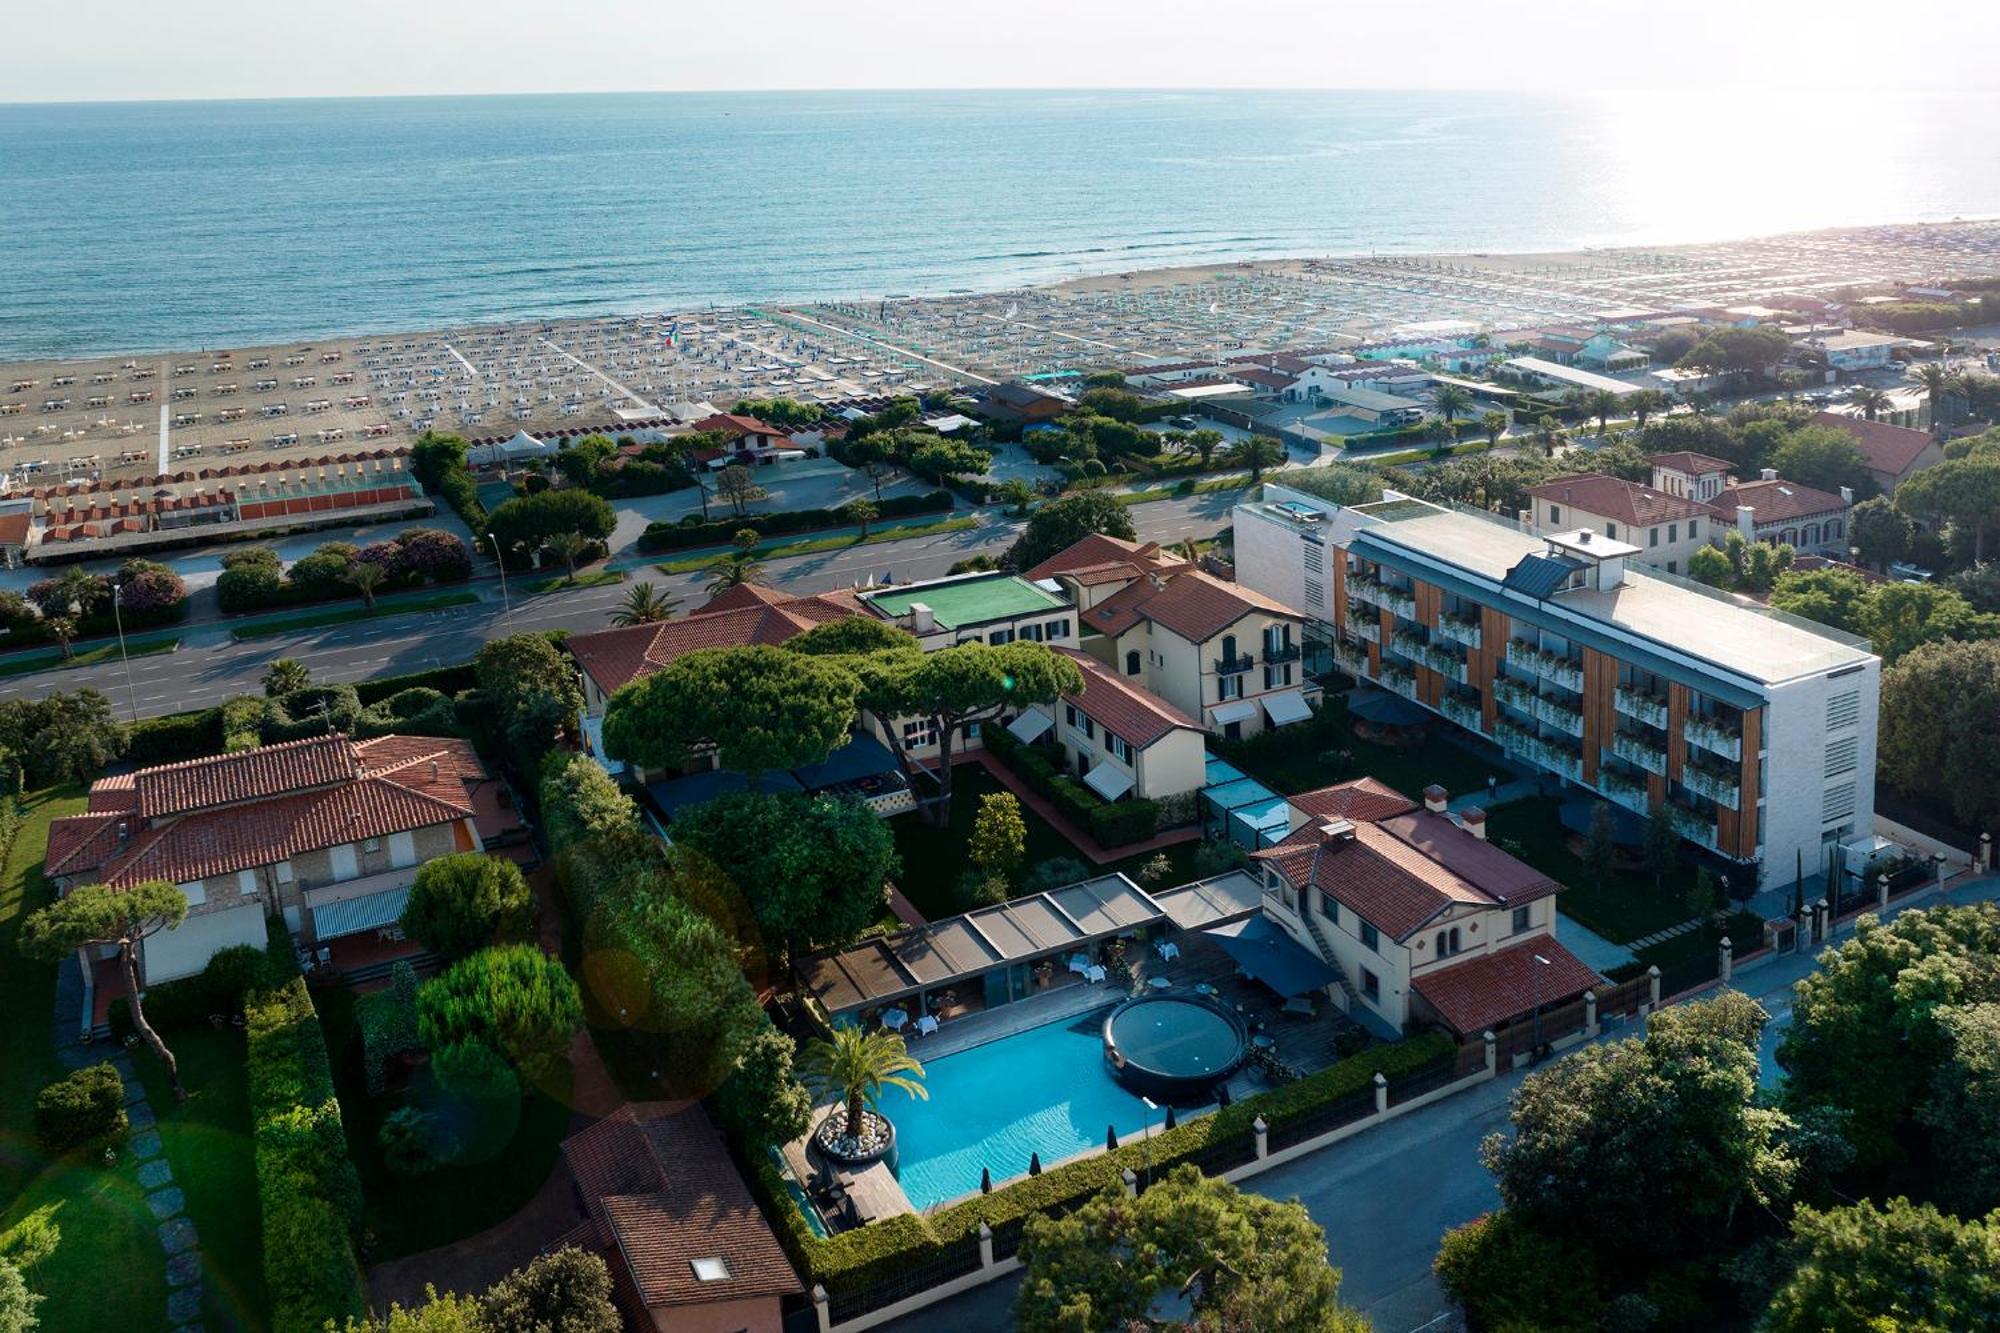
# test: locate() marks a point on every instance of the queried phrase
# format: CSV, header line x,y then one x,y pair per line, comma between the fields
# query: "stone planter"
x,y
832,1144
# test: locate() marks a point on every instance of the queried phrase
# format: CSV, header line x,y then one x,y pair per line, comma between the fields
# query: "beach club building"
x,y
1754,731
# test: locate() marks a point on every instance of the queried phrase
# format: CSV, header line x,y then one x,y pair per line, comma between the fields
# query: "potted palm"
x,y
855,1066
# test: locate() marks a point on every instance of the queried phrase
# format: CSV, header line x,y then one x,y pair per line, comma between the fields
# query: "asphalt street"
x,y
210,667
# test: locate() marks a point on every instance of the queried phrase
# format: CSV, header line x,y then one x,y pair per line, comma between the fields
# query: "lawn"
x,y
108,1272
779,549
1625,907
1307,756
258,629
106,652
404,1214
207,1138
934,858
595,578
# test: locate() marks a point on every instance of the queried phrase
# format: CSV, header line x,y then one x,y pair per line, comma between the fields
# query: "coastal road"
x,y
210,667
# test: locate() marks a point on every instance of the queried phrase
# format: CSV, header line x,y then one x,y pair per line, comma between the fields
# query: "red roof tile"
x,y
1192,604
735,618
1487,991
249,775
1098,549
1692,463
1356,799
1888,449
1628,502
1775,501
1136,715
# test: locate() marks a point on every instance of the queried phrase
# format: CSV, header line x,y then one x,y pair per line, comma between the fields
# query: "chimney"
x,y
1769,473
1337,830
1435,798
922,619
1746,521
1474,820
434,772
1847,495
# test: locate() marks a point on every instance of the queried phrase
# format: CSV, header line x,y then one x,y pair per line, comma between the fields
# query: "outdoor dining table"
x,y
894,1019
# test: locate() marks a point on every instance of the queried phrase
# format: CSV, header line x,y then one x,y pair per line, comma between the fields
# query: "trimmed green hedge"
x,y
854,1260
307,1188
1111,823
719,532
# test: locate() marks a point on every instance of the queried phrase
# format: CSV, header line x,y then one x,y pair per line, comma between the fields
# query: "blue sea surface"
x,y
171,225
1041,1091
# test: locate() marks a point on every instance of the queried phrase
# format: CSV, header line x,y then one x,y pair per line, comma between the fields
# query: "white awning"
x,y
1287,706
1236,710
1108,781
1029,725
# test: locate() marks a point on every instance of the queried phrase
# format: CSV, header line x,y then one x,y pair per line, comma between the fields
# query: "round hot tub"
x,y
1173,1048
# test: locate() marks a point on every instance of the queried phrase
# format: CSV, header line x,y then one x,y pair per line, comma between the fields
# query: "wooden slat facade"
x,y
1600,716
1484,662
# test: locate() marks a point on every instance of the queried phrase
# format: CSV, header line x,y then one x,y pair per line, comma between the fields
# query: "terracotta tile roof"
x,y
1098,549
1356,799
1484,992
14,528
250,775
397,784
1692,463
1887,449
734,618
1628,502
731,424
1775,501
1136,715
659,1183
1400,873
1111,571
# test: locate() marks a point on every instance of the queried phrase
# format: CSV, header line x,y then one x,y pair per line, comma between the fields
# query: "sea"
x,y
178,225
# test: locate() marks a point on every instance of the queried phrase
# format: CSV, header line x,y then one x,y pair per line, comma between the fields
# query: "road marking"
x,y
470,369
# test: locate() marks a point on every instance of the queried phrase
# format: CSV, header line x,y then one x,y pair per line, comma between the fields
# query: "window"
x,y
1132,662
1229,647
1833,529
1843,710
1555,513
1673,566
1842,755
1057,629
1077,721
1610,529
1371,985
1674,532
1031,633
1329,907
1118,747
920,732
1524,918
1448,943
246,882
282,871
1370,937
970,731
402,850
999,636
1652,536
346,862
196,893
1694,528
1277,676
1228,687
710,1270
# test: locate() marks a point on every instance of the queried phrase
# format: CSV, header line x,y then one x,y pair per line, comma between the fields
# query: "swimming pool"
x,y
1041,1091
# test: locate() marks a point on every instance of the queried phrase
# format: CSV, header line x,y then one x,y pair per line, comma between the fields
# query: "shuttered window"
x,y
1838,803
1843,710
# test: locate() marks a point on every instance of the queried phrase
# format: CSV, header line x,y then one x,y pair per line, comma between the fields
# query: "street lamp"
x,y
505,600
118,619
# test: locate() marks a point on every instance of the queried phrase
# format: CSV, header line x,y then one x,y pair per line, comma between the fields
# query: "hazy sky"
x,y
135,49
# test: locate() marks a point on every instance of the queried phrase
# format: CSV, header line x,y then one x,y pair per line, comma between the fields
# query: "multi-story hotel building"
x,y
1754,730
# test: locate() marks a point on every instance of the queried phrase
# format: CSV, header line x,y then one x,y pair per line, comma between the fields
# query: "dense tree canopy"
x,y
1241,1261
1751,351
1963,492
463,903
1825,457
1936,729
580,800
531,687
1062,523
812,868
760,707
61,737
1900,1266
528,523
514,998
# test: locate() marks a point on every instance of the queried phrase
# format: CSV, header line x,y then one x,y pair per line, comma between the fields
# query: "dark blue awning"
x,y
676,794
1270,956
862,757
1385,709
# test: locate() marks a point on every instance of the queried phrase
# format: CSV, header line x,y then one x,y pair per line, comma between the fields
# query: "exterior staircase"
x,y
1352,1000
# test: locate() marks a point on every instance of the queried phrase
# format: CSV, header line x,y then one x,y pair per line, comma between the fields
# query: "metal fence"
x,y
925,1271
1322,1119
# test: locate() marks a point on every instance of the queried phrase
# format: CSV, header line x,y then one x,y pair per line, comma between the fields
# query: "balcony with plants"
x,y
1351,658
1547,665
1644,705
1718,784
1393,677
1366,628
1514,693
1624,789
1459,629
1714,735
1640,750
1559,715
1691,824
1441,660
1556,755
1464,711
1280,651
1367,588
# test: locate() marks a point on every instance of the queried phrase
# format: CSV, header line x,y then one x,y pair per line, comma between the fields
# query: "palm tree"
x,y
568,547
1937,382
1872,402
1644,404
285,676
1202,444
860,513
733,571
643,605
63,630
1791,381
366,576
1450,400
1548,435
857,1065
1601,403
1257,453
1018,494
1495,425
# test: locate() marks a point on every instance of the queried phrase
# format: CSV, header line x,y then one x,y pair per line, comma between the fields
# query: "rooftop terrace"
x,y
977,600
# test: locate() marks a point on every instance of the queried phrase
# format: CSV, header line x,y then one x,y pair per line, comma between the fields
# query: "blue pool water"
x,y
1040,1091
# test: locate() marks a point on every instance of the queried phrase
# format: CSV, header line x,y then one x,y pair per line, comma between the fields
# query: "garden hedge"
x,y
1111,823
694,532
307,1188
218,988
854,1260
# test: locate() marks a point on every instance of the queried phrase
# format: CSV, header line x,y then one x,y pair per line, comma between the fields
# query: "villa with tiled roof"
x,y
1667,528
1891,452
1119,737
1222,653
1426,920
327,832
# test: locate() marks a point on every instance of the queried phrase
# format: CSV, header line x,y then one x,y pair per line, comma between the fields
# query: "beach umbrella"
x,y
1034,1164
1170,1117
1110,1138
985,1181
